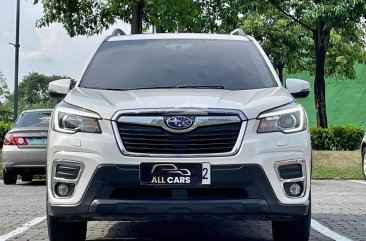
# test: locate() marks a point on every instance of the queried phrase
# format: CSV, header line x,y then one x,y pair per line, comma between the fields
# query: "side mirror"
x,y
59,88
298,88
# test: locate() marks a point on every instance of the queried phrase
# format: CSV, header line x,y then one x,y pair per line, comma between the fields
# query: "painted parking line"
x,y
23,228
336,193
327,232
356,181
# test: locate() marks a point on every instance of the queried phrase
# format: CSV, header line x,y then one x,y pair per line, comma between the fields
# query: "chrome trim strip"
x,y
234,116
158,121
57,179
302,179
180,111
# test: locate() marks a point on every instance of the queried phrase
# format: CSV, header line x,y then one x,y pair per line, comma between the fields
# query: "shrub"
x,y
337,138
4,128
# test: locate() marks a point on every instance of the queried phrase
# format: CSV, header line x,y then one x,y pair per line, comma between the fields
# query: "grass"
x,y
337,165
326,165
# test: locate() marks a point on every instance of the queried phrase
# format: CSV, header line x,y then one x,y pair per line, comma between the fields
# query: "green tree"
x,y
89,17
4,90
5,109
284,41
325,20
33,92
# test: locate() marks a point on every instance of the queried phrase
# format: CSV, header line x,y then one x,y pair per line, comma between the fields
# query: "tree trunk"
x,y
137,14
321,39
280,68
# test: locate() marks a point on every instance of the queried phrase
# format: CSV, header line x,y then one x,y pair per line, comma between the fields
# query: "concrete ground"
x,y
339,213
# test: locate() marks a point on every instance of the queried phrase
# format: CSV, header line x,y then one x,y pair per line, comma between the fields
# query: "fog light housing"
x,y
294,189
64,189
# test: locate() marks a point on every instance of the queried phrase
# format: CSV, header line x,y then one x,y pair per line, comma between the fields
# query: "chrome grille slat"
x,y
176,144
144,130
211,135
67,171
167,140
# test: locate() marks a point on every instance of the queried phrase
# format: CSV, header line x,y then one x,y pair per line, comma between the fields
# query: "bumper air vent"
x,y
290,171
67,171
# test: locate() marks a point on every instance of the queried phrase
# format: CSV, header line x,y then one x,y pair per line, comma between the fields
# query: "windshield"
x,y
33,119
178,63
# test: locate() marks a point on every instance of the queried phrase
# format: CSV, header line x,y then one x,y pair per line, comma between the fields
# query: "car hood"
x,y
107,102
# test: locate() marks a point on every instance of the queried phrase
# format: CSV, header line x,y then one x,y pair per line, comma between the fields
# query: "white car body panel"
x,y
250,102
265,150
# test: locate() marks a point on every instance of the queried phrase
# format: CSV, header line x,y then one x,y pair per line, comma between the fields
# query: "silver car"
x,y
24,149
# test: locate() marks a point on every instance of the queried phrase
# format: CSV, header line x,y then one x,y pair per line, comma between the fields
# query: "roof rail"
x,y
118,32
238,31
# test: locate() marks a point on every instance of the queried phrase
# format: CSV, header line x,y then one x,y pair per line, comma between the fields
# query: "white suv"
x,y
177,125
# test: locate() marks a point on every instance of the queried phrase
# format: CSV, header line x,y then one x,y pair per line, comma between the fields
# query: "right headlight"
x,y
72,119
288,119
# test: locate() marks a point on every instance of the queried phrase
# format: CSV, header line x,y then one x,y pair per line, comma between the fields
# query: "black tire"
x,y
65,231
10,178
298,230
363,163
27,177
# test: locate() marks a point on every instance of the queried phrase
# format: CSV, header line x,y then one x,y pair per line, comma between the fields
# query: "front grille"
x,y
67,171
290,171
213,139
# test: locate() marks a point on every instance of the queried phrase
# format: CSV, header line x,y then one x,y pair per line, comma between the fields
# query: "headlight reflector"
x,y
72,120
78,123
288,119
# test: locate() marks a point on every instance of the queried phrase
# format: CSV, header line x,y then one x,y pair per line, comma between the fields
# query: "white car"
x,y
177,125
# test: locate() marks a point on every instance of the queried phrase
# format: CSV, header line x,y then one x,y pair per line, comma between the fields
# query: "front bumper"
x,y
115,193
24,159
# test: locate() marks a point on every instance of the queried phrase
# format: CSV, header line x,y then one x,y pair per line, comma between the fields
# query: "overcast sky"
x,y
47,50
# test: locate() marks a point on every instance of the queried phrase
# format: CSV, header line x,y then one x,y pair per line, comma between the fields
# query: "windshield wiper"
x,y
200,87
182,87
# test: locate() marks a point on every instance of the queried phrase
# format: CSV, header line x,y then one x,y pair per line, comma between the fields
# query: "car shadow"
x,y
182,231
41,182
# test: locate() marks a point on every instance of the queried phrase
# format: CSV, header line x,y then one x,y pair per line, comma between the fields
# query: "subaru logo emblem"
x,y
179,122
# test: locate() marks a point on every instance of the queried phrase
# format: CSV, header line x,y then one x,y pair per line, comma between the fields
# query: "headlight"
x,y
288,119
72,120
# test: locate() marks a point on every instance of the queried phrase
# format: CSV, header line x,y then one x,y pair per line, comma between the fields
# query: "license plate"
x,y
36,141
175,174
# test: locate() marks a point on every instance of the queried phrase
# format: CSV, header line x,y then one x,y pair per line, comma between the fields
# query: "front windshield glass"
x,y
178,63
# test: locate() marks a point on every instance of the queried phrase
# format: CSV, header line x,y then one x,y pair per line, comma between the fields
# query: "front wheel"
x,y
364,163
10,178
65,231
298,230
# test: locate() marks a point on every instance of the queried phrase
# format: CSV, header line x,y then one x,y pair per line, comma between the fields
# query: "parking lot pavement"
x,y
338,206
341,205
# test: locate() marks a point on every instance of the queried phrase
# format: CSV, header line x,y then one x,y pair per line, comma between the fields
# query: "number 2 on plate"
x,y
206,174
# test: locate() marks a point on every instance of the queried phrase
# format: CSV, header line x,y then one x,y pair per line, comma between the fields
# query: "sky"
x,y
46,50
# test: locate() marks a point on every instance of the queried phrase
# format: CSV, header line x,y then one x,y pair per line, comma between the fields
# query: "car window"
x,y
33,119
134,64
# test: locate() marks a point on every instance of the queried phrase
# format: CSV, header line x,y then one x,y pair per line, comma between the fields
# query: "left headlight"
x,y
72,120
287,119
